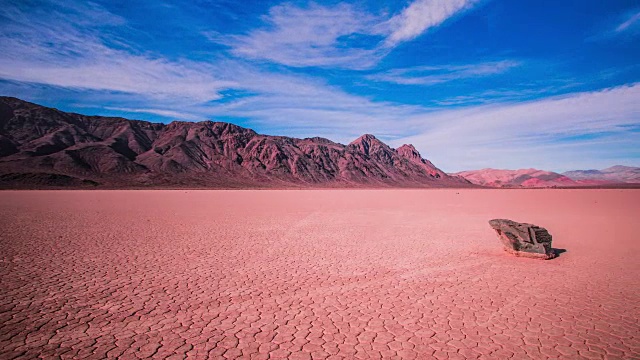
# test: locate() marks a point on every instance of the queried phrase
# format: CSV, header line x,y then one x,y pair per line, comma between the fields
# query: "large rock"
x,y
522,239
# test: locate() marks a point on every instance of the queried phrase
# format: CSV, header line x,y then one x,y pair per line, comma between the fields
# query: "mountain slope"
x,y
123,153
614,174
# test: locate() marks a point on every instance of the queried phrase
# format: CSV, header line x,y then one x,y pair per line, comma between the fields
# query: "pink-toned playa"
x,y
314,274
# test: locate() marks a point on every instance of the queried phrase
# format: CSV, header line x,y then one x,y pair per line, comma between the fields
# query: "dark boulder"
x,y
522,239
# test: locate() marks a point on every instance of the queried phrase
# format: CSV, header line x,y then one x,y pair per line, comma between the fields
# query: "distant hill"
x,y
517,178
41,146
615,174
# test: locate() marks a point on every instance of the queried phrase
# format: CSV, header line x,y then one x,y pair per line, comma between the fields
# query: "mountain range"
x,y
46,147
533,178
516,178
42,147
616,174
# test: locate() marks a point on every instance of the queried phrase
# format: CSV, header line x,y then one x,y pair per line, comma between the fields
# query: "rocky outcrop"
x,y
409,152
523,239
120,153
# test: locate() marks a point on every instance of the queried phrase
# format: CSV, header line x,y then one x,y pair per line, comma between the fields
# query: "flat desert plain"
x,y
313,274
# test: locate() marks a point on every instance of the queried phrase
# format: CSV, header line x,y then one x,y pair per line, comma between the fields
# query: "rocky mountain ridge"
x,y
38,144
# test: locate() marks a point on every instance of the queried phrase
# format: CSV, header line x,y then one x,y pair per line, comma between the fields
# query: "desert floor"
x,y
316,274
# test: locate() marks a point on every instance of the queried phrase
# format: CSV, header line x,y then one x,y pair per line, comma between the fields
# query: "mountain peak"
x,y
366,138
408,146
369,144
409,151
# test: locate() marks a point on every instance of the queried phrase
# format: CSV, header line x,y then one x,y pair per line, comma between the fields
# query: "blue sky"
x,y
471,83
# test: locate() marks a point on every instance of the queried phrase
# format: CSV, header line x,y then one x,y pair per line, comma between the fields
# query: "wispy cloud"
x,y
422,15
630,22
625,24
431,75
177,115
534,133
311,36
515,92
341,36
73,48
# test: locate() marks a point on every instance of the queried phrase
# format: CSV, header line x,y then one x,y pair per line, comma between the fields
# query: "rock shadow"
x,y
557,252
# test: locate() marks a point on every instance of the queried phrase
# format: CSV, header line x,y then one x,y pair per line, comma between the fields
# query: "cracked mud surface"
x,y
355,274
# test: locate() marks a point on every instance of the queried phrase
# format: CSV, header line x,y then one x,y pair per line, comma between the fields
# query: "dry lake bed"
x,y
314,274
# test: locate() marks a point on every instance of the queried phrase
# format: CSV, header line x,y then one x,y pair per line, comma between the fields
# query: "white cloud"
x,y
341,36
553,133
177,115
627,24
69,48
431,75
422,15
116,71
312,36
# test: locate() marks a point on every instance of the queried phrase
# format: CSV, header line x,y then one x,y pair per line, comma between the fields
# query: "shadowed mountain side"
x,y
127,153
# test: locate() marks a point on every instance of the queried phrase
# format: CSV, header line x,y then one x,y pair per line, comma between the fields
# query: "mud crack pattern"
x,y
324,274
